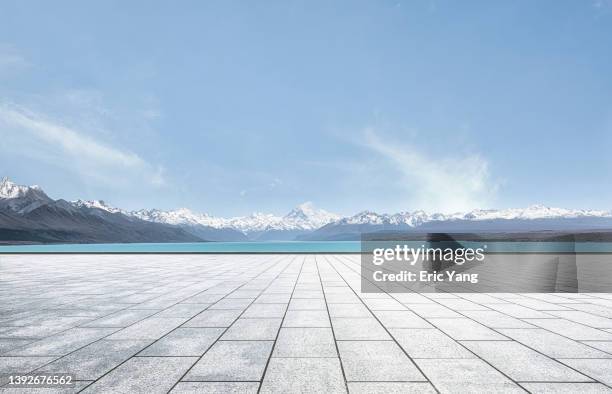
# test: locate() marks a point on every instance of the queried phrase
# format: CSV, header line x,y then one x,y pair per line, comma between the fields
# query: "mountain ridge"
x,y
304,222
28,215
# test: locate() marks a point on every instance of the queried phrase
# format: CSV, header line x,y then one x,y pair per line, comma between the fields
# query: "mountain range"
x,y
28,215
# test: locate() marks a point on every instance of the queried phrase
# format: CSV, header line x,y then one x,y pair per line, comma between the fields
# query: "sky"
x,y
232,107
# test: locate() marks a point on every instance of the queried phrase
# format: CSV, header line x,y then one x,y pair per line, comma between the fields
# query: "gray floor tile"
x,y
122,318
303,375
10,344
143,375
63,343
518,311
217,318
566,388
348,310
593,309
303,304
572,329
308,294
466,376
523,364
75,388
265,310
347,329
204,298
401,319
276,298
459,304
301,318
216,388
390,388
186,341
232,303
388,304
93,361
253,330
539,305
22,364
495,319
150,328
429,343
598,369
382,361
551,344
232,361
432,310
348,298
605,346
244,293
305,342
30,332
585,318
182,310
466,329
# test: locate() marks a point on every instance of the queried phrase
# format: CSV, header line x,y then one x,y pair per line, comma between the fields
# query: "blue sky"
x,y
231,107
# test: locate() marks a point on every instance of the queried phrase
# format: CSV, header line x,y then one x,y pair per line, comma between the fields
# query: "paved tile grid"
x,y
286,323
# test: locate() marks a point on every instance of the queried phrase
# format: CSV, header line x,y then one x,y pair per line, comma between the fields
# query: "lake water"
x,y
294,247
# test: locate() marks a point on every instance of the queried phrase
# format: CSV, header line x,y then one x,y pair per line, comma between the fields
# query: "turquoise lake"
x,y
293,247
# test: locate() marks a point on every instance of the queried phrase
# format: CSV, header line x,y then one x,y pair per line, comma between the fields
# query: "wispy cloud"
x,y
434,182
80,151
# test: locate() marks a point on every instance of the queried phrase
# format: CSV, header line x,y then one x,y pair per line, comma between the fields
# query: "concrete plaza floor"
x,y
285,323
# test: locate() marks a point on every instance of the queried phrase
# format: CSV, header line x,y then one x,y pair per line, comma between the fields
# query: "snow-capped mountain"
x,y
307,217
28,215
96,204
412,219
532,218
181,216
304,217
531,212
418,218
29,207
21,199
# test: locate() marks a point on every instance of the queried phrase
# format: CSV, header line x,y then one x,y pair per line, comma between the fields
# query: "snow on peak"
x,y
307,217
303,217
181,216
9,189
96,204
417,218
19,198
530,213
411,219
366,217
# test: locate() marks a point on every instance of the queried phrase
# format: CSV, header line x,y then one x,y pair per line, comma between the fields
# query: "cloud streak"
x,y
435,183
91,157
